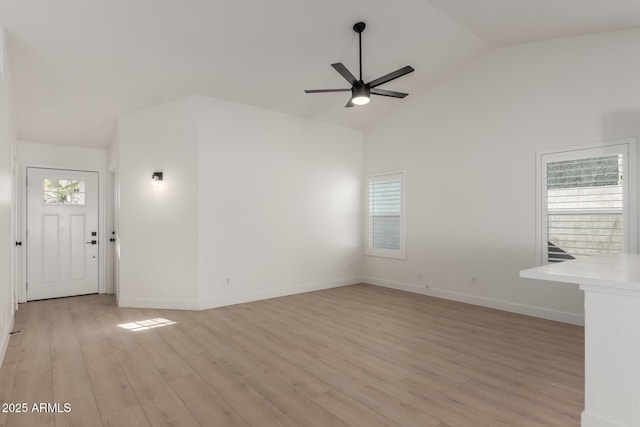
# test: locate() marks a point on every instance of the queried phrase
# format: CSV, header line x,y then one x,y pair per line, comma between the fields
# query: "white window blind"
x,y
385,222
585,203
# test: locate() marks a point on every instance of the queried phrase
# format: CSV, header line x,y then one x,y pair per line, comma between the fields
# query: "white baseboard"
x,y
590,420
275,293
528,310
4,341
158,303
231,300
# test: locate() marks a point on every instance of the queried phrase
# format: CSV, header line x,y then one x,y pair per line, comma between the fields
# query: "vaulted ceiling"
x,y
78,64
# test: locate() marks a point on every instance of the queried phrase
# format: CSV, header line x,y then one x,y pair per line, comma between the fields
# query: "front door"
x,y
62,233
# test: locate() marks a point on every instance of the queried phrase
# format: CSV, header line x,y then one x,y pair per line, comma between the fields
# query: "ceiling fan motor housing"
x,y
361,90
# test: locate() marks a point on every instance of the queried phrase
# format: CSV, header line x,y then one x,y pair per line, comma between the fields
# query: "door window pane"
x,y
63,192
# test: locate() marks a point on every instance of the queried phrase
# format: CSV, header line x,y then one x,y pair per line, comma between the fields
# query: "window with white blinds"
x,y
585,203
385,215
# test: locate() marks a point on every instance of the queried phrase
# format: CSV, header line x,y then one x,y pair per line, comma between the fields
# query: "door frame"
x,y
16,252
102,233
112,206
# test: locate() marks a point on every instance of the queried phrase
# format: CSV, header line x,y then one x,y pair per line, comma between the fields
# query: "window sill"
x,y
382,253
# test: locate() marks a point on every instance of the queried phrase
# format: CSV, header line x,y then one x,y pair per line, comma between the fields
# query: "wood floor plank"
x,y
84,413
253,407
111,388
294,405
350,411
295,335
298,378
131,416
178,336
33,386
511,401
8,373
70,380
157,398
169,363
33,383
110,385
69,374
32,419
436,406
235,359
364,392
356,355
437,397
205,404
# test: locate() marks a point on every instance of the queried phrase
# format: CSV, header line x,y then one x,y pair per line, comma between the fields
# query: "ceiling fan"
x,y
360,91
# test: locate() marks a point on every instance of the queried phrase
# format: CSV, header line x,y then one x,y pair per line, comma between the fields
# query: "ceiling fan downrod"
x,y
359,28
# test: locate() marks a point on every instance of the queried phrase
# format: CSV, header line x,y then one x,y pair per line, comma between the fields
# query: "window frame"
x,y
626,146
380,252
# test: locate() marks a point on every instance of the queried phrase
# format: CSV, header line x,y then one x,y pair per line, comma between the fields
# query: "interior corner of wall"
x,y
3,51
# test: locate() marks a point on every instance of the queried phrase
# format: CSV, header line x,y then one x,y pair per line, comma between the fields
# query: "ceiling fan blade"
x,y
339,67
390,93
391,76
326,90
349,104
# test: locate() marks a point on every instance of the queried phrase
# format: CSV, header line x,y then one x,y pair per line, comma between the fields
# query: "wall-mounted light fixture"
x,y
156,178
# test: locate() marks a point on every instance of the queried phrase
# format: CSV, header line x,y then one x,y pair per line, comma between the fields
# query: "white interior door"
x,y
62,233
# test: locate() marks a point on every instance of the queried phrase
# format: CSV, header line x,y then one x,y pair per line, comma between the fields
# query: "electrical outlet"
x,y
228,280
419,275
474,280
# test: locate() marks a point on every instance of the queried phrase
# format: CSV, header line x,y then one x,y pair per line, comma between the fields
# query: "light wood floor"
x,y
358,355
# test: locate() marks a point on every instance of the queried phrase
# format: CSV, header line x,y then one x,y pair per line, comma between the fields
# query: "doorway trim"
x,y
102,233
112,206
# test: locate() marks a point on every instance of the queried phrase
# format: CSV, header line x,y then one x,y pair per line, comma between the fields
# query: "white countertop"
x,y
606,272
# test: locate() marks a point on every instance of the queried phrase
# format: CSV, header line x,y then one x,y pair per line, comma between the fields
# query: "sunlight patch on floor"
x,y
143,325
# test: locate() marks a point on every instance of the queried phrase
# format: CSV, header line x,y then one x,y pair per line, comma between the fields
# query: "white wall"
x,y
64,156
269,200
158,236
113,149
468,146
7,197
279,204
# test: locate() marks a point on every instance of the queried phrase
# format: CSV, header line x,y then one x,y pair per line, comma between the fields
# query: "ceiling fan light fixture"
x,y
361,100
361,94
